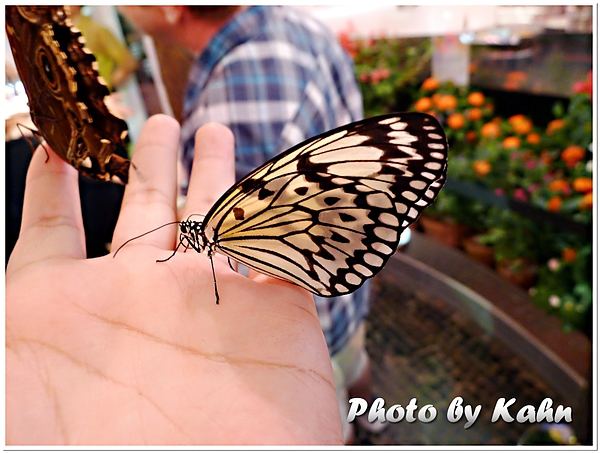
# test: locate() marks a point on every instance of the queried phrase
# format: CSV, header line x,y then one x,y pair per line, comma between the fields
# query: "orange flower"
x,y
490,130
423,104
586,201
572,154
558,185
456,121
471,136
446,102
430,84
476,99
482,167
545,157
583,185
554,204
514,80
569,254
533,138
554,125
511,142
511,85
517,76
516,118
520,124
527,156
474,114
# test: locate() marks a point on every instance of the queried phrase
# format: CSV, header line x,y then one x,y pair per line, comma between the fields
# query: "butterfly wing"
x,y
328,213
65,93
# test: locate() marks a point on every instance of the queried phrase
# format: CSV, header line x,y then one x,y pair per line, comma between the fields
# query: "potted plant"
x,y
478,245
516,243
564,286
444,219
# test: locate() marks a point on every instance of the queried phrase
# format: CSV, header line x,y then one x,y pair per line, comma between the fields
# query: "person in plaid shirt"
x,y
275,77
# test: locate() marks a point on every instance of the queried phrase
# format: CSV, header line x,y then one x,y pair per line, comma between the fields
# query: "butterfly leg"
x,y
231,265
189,243
30,142
170,256
181,238
212,266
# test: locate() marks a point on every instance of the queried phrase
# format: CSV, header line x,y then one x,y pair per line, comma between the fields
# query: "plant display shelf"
x,y
489,197
504,311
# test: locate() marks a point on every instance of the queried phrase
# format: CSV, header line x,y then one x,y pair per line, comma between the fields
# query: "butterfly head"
x,y
191,227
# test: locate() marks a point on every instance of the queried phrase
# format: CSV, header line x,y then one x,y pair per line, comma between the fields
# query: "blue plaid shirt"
x,y
276,77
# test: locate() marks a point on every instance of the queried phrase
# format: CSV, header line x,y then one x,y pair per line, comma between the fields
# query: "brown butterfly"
x,y
66,95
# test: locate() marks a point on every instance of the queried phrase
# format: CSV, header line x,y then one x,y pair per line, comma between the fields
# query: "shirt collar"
x,y
239,29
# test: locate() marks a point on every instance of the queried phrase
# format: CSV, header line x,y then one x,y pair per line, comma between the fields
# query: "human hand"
x,y
126,350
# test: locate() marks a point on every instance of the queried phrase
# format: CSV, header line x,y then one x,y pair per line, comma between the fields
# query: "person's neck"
x,y
197,33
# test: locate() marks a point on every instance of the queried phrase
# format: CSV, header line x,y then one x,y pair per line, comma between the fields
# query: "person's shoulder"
x,y
299,21
286,29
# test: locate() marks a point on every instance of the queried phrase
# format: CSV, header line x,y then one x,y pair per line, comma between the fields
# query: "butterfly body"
x,y
66,95
328,213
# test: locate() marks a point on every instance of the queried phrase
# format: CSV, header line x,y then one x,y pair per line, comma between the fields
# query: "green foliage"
x,y
513,236
385,67
577,128
564,286
550,169
515,158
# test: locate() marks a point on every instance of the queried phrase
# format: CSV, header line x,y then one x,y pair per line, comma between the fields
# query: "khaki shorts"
x,y
348,366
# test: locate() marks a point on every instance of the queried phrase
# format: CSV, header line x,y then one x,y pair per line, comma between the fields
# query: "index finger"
x,y
213,170
149,199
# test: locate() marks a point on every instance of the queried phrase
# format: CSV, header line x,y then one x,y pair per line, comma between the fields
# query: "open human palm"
x,y
126,350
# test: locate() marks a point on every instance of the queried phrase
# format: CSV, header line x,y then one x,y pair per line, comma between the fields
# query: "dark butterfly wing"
x,y
66,96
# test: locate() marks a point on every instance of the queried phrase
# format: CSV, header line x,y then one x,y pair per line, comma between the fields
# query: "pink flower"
x,y
520,195
554,301
499,191
530,164
553,264
584,86
379,74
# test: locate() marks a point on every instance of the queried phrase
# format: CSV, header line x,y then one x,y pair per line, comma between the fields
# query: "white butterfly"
x,y
328,213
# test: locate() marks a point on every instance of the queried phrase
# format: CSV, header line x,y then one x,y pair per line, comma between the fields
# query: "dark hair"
x,y
213,12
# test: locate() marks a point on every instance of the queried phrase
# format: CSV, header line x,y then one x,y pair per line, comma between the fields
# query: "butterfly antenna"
x,y
144,234
199,215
